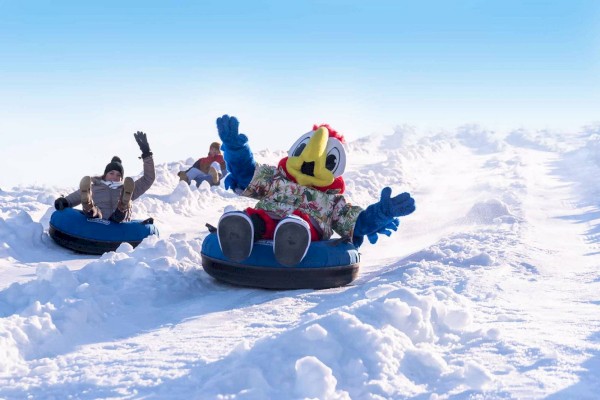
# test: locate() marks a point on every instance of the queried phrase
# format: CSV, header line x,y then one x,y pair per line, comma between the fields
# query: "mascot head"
x,y
317,159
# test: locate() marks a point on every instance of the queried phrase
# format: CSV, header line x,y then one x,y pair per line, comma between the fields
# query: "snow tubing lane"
x,y
327,264
70,228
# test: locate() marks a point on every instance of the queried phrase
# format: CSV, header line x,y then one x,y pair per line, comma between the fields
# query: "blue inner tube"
x,y
327,264
70,228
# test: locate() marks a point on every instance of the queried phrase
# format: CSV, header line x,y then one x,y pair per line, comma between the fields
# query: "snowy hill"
x,y
491,289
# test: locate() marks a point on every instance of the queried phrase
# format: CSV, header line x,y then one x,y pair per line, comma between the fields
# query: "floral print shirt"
x,y
280,197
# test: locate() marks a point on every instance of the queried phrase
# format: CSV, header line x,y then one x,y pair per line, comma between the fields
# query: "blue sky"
x,y
78,78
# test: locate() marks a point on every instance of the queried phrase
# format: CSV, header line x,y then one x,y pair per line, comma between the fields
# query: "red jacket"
x,y
203,164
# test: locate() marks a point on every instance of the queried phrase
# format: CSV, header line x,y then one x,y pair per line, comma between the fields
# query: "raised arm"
x,y
147,179
236,152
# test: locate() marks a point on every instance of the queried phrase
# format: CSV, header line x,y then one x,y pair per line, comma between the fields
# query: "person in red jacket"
x,y
210,168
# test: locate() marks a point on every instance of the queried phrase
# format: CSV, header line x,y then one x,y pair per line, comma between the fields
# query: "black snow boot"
x,y
291,241
236,235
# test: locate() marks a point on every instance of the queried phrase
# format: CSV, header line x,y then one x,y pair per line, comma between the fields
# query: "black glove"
x,y
142,141
61,203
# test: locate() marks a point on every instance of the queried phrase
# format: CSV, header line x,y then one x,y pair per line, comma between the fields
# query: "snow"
x,y
489,290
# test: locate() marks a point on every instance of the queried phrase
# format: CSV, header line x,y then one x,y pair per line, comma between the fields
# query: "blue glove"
x,y
381,217
238,158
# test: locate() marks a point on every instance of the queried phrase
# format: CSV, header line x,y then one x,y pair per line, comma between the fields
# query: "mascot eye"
x,y
336,157
331,162
298,147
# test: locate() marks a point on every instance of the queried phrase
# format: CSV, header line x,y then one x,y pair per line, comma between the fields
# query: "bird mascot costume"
x,y
300,200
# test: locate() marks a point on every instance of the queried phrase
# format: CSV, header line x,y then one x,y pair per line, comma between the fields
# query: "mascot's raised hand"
x,y
237,154
381,217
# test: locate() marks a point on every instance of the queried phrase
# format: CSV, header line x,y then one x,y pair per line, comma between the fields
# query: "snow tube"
x,y
327,264
70,228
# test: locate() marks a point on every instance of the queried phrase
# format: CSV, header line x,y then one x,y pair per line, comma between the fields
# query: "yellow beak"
x,y
309,167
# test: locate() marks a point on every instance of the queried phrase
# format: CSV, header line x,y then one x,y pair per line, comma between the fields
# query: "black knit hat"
x,y
114,165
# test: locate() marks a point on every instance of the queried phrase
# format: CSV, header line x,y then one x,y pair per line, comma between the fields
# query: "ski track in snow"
x,y
489,290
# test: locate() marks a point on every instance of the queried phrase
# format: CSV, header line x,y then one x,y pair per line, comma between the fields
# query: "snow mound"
x,y
18,235
381,346
543,140
482,140
113,295
491,211
593,148
467,249
403,137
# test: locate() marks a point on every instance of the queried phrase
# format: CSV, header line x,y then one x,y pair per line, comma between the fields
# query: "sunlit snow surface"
x,y
491,289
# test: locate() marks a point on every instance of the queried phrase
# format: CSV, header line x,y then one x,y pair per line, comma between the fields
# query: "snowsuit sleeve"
x,y
74,199
261,182
146,180
344,217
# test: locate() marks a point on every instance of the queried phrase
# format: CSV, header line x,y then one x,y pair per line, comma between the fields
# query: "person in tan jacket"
x,y
109,196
